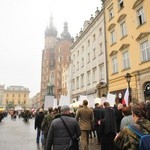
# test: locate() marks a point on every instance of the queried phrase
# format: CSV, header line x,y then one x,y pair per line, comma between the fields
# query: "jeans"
x,y
39,133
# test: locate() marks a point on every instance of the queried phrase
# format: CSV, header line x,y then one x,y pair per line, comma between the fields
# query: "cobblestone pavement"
x,y
19,135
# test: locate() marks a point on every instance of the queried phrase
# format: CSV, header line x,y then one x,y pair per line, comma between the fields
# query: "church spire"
x,y
65,34
51,22
51,30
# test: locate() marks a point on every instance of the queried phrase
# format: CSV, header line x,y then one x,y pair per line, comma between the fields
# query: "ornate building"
x,y
128,46
2,87
55,55
15,96
88,68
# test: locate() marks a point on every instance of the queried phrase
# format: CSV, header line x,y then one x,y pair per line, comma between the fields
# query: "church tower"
x,y
55,56
48,58
62,55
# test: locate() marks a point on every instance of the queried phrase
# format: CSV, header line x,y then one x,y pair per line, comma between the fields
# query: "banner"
x,y
97,100
64,100
111,99
55,104
91,100
49,102
82,97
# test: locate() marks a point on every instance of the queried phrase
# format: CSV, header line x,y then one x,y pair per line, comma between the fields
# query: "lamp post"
x,y
128,79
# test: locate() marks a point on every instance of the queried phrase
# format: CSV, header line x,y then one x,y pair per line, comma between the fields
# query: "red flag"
x,y
123,102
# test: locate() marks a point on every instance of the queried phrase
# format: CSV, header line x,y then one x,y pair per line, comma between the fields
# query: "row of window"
x,y
17,103
111,10
145,56
139,11
93,52
13,95
62,58
90,78
88,44
123,29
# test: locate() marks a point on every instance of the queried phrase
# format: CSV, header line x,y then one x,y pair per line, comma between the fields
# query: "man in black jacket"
x,y
109,127
38,121
97,116
58,136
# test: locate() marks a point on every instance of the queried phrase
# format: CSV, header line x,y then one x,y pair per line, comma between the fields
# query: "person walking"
x,y
37,125
85,116
46,123
127,139
97,116
58,136
109,127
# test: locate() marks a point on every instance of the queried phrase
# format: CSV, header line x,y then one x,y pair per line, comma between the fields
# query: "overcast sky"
x,y
22,27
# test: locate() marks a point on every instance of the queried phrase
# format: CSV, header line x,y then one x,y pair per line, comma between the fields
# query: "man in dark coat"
x,y
97,116
38,121
58,136
109,128
118,115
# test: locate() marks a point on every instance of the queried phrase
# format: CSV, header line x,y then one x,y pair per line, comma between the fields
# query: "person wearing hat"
x,y
37,125
58,136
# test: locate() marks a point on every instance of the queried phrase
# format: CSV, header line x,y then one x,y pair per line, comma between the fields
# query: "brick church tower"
x,y
55,56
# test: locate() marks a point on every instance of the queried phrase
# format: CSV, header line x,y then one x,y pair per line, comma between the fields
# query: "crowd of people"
x,y
2,115
58,128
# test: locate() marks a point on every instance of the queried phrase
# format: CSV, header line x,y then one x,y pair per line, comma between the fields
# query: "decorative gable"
x,y
121,17
137,3
142,35
111,26
113,53
124,46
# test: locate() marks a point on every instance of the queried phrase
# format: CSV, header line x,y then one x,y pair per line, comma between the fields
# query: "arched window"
x,y
147,90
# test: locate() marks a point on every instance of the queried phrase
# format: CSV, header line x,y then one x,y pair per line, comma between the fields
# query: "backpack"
x,y
144,143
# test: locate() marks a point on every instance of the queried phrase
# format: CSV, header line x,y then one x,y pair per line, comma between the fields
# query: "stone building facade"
x,y
16,96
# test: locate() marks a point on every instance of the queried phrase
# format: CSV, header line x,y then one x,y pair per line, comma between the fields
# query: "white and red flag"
x,y
126,97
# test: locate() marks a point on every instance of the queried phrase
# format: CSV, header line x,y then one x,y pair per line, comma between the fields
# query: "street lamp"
x,y
128,79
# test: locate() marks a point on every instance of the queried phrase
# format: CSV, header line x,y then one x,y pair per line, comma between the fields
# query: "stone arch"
x,y
146,89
